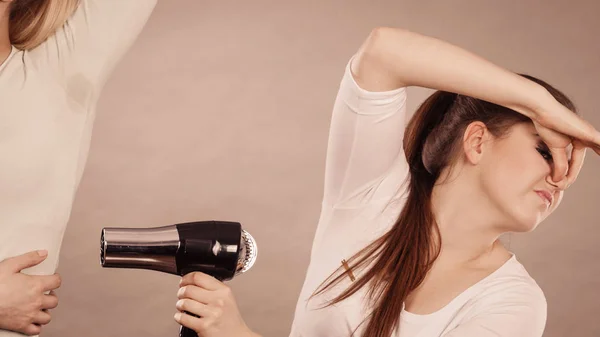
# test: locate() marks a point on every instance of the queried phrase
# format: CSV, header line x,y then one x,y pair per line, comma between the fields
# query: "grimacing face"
x,y
514,176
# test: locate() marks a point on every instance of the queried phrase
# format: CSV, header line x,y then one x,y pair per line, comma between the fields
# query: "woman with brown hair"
x,y
55,56
408,238
417,211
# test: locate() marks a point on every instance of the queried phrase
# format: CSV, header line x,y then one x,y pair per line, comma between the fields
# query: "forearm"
x,y
404,58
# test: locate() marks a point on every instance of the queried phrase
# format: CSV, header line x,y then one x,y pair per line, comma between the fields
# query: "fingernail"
x,y
42,253
177,316
180,292
179,304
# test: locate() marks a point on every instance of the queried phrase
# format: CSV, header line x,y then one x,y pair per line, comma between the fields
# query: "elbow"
x,y
373,45
381,44
380,33
381,39
375,66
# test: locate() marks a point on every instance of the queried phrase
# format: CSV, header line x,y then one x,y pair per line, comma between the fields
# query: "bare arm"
x,y
369,115
392,58
82,54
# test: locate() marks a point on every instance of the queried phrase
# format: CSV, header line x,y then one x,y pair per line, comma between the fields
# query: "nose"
x,y
555,186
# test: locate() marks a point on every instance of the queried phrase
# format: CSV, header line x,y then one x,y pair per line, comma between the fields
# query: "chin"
x,y
525,217
526,223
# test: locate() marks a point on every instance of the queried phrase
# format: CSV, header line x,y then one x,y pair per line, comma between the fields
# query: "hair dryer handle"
x,y
187,332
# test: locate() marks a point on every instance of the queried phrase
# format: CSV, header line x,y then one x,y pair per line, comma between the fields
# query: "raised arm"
x,y
365,144
81,54
394,57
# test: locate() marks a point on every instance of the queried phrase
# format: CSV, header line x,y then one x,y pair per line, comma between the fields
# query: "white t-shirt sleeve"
x,y
365,139
81,55
519,313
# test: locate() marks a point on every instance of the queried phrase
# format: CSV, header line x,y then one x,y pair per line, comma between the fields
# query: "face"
x,y
513,171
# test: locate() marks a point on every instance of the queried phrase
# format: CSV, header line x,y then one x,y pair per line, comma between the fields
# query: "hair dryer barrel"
x,y
141,248
218,248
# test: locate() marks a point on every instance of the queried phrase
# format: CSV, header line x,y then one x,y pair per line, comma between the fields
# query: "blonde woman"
x,y
55,56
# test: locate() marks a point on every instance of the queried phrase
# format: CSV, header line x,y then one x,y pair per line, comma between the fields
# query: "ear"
x,y
475,139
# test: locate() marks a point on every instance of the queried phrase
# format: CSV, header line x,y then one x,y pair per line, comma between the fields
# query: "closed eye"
x,y
544,152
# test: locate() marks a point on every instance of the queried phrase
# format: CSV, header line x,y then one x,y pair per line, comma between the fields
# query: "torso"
x,y
44,138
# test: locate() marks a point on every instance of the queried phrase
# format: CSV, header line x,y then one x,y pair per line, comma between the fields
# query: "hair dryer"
x,y
221,249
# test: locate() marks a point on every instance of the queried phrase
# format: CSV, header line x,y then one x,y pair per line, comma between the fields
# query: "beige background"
x,y
221,111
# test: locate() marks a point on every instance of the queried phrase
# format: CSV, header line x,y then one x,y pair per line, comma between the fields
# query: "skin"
x,y
492,188
383,63
213,301
26,299
5,45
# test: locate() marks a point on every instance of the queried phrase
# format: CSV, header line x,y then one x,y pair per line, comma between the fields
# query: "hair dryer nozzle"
x,y
248,254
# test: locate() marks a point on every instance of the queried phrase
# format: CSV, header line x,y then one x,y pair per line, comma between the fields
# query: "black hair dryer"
x,y
221,249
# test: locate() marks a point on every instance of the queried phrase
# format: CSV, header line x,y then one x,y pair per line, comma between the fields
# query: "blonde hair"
x,y
33,21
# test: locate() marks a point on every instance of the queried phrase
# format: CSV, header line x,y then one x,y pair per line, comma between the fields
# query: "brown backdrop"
x,y
221,111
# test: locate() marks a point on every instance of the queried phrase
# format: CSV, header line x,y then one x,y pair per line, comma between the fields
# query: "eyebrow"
x,y
539,138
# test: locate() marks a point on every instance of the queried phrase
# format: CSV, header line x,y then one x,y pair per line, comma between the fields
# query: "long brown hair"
x,y
398,261
33,21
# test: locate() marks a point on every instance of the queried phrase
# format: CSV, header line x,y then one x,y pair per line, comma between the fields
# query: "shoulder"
x,y
511,291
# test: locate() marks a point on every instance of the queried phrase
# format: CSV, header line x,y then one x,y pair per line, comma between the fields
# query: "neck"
x,y
469,225
5,45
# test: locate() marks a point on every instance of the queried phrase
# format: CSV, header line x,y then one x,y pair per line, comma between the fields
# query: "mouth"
x,y
546,196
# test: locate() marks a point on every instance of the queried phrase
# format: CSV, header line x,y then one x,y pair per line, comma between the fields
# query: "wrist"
x,y
540,101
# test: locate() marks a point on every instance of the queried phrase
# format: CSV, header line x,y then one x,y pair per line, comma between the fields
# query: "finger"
x,y
42,318
49,282
576,162
24,261
188,321
195,293
193,307
201,280
577,127
561,164
32,330
49,301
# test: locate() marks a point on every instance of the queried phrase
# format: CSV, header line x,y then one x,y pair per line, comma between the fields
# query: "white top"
x,y
364,194
47,106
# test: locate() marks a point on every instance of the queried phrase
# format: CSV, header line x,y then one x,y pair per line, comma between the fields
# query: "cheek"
x,y
507,176
502,184
509,181
519,168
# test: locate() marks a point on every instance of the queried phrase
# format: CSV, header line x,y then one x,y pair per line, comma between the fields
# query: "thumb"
x,y
17,263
